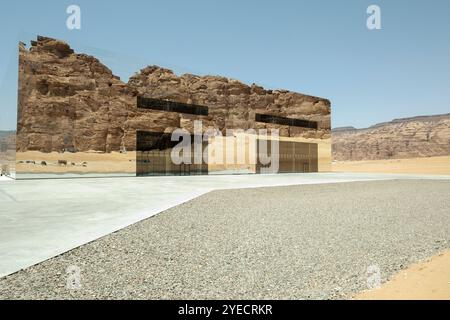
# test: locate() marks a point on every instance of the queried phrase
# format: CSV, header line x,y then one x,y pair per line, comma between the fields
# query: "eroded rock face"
x,y
401,138
72,102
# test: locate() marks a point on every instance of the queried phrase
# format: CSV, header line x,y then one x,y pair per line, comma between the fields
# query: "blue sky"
x,y
319,47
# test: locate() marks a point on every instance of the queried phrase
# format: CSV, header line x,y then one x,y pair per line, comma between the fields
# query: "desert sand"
x,y
431,165
428,280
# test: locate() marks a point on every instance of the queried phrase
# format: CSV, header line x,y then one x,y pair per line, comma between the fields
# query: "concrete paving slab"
x,y
40,219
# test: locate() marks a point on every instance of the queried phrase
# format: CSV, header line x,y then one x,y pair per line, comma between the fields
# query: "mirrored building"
x,y
76,118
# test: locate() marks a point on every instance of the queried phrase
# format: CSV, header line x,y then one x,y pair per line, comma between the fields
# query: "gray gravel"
x,y
301,242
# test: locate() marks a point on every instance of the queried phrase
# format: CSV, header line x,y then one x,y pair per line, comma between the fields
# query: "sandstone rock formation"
x,y
425,136
72,102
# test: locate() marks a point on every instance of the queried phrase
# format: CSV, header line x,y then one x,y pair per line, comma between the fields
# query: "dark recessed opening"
x,y
171,106
286,121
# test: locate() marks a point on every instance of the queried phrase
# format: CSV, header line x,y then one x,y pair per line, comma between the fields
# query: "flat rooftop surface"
x,y
40,219
294,242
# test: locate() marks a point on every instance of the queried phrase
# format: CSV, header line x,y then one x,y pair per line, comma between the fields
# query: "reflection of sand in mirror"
x,y
324,150
324,146
116,162
7,153
79,162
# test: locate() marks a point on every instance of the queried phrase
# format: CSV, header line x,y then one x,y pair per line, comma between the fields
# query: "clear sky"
x,y
318,47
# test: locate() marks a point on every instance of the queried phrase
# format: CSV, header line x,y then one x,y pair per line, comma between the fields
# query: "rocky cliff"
x,y
424,136
70,101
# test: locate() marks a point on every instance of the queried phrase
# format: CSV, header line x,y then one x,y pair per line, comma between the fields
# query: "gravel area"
x,y
296,242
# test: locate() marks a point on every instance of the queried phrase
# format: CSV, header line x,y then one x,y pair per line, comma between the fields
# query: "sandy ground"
x,y
429,280
432,165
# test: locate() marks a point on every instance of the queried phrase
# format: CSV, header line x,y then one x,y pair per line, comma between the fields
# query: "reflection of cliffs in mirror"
x,y
7,153
76,117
